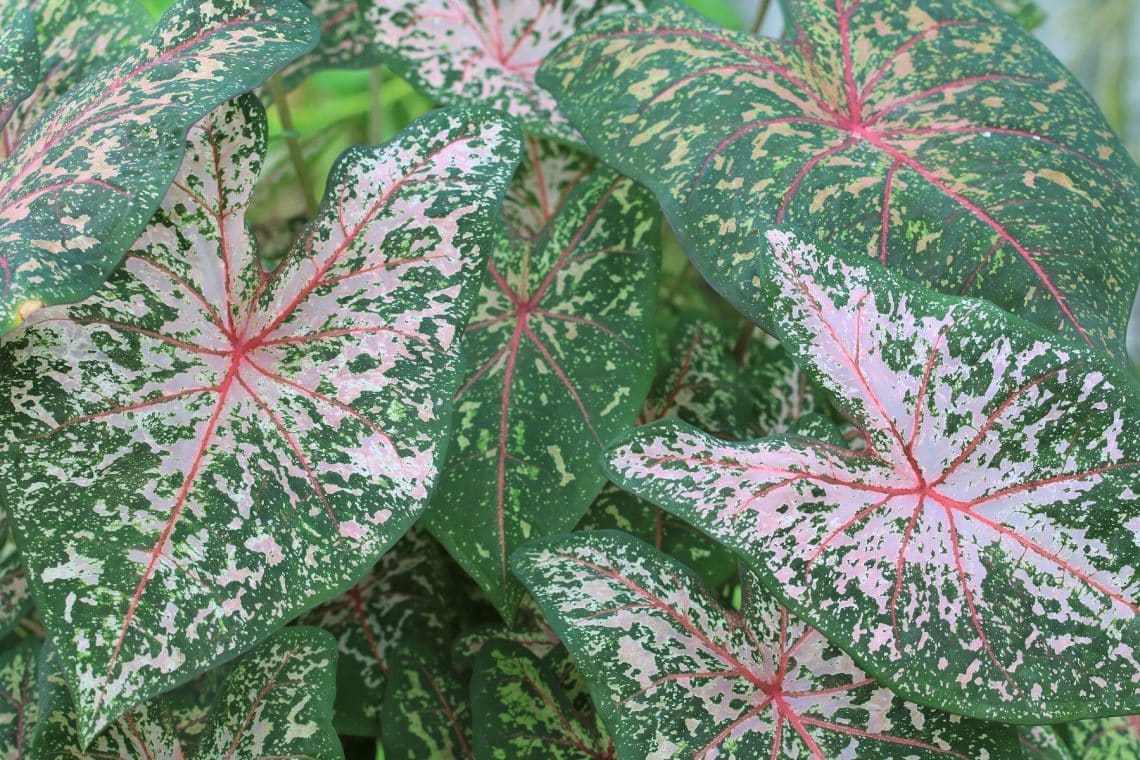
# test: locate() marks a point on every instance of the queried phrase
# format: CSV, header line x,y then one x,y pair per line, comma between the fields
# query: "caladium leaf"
x,y
404,598
15,597
19,63
426,710
485,51
521,711
1042,743
82,182
529,630
674,673
940,139
781,392
1105,739
346,42
277,703
559,361
19,700
262,439
978,554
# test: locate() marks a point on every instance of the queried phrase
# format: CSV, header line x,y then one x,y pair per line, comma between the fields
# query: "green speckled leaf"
x,y
485,51
937,137
426,711
405,598
346,42
521,711
675,674
84,179
980,554
19,701
15,597
1104,739
1042,743
200,451
559,356
19,62
781,392
529,630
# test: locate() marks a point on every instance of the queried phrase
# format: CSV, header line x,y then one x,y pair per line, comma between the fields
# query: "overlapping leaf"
x,y
559,361
1042,743
405,598
485,51
674,673
19,701
781,392
277,703
1105,739
15,597
200,451
529,630
980,554
426,710
521,710
940,139
19,62
346,42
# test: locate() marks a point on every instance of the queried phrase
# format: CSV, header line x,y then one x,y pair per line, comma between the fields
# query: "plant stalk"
x,y
743,341
296,157
375,107
761,14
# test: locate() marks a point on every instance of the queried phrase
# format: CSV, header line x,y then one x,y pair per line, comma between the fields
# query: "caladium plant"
x,y
1042,743
426,710
86,162
485,51
942,140
674,673
345,43
1105,738
557,365
15,597
202,449
978,554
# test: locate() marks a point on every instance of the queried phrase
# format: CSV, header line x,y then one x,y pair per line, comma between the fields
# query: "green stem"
x,y
743,341
375,107
761,14
304,178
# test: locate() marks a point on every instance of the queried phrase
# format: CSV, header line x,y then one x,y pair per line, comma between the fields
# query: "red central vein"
x,y
448,711
270,685
366,628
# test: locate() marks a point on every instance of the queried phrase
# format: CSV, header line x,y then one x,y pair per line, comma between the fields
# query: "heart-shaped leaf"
x,y
82,182
1042,743
405,598
559,361
485,51
978,554
202,451
426,710
674,673
277,703
19,701
521,710
941,139
346,42
15,597
1105,739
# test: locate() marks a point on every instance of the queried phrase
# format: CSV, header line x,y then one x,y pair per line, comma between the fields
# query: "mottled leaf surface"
x,y
529,630
1105,739
1042,743
980,553
485,51
405,598
674,673
346,42
426,710
781,392
560,358
82,182
937,137
202,451
15,596
521,710
19,701
19,62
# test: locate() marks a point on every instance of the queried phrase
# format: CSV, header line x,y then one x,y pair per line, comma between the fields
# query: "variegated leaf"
x,y
675,674
346,42
559,361
426,711
76,37
529,630
937,137
201,451
19,62
82,182
1105,739
405,598
19,701
485,51
980,553
1042,743
276,703
15,597
781,392
521,711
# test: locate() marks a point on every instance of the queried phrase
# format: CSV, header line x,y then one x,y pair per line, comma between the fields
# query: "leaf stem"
x,y
304,178
743,341
761,14
375,107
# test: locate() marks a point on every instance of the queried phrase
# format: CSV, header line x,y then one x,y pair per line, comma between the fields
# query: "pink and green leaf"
x,y
426,710
346,42
1042,743
940,139
19,62
521,710
19,701
82,181
978,555
485,51
1104,739
559,359
405,598
204,450
674,673
15,596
